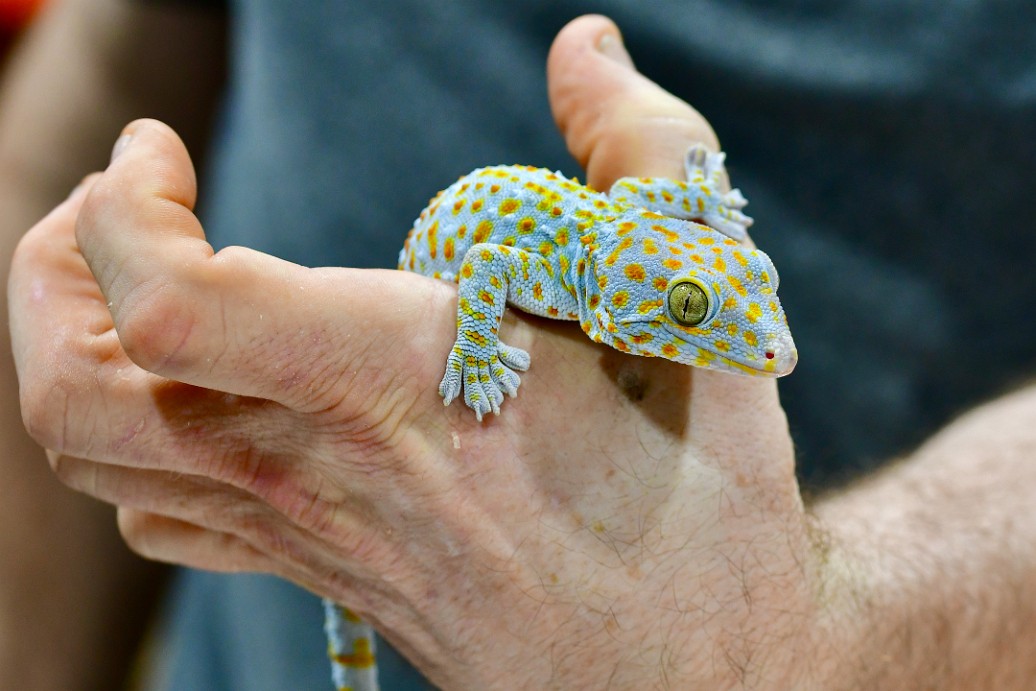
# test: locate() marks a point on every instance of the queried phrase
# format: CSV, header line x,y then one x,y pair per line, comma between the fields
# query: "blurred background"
x,y
14,15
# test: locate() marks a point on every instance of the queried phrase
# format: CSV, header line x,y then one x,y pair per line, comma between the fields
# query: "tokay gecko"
x,y
653,268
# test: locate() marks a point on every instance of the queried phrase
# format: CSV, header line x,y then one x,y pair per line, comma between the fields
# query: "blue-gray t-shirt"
x,y
887,149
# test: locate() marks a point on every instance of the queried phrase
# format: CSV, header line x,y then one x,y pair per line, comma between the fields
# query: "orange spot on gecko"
x,y
669,234
635,272
361,657
649,306
736,284
476,338
509,206
432,239
624,245
483,231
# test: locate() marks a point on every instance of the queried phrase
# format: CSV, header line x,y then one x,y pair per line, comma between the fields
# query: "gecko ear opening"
x,y
769,269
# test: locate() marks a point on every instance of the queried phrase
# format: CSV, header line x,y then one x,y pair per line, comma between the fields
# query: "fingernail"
x,y
611,47
120,145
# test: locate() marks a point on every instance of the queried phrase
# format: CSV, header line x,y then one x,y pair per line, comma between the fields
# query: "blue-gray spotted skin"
x,y
638,268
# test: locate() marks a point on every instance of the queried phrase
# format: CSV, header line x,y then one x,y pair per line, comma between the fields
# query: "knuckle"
x,y
133,527
102,201
45,411
27,251
155,326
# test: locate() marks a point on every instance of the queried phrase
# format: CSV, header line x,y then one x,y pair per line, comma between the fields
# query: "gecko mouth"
x,y
779,358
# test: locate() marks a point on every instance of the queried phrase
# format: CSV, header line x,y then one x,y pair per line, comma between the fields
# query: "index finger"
x,y
238,320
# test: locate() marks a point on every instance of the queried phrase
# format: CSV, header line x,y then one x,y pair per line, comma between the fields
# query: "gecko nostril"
x,y
769,355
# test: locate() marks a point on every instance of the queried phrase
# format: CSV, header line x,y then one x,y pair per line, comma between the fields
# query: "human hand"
x,y
625,522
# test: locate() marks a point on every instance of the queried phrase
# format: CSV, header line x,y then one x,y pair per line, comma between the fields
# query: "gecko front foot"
x,y
483,380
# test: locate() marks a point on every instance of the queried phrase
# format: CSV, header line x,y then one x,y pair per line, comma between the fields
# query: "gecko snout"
x,y
782,355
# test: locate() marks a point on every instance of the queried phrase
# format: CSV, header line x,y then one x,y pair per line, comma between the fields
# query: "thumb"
x,y
237,321
616,121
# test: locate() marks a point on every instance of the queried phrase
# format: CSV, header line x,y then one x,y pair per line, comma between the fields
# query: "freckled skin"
x,y
549,246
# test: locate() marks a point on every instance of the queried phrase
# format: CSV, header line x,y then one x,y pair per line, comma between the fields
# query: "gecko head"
x,y
697,298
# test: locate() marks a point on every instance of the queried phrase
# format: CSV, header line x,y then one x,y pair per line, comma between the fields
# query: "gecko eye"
x,y
688,302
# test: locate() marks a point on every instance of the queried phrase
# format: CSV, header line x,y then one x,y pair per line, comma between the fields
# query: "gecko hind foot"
x,y
705,169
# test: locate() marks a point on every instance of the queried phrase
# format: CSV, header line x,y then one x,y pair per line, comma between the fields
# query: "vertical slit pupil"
x,y
688,303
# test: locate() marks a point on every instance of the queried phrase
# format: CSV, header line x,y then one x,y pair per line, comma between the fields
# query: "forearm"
x,y
939,556
72,598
